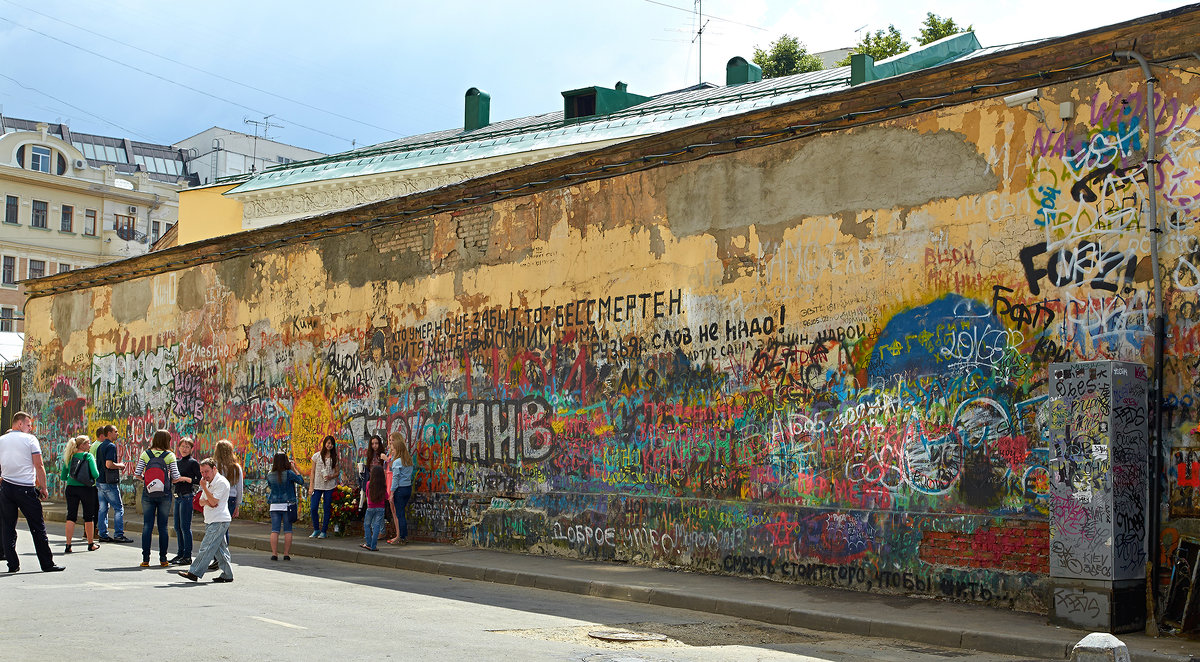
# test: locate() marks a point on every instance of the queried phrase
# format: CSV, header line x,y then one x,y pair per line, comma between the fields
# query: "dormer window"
x,y
39,159
582,105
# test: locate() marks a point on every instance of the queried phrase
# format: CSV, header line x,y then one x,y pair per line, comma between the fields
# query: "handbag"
x,y
293,513
196,502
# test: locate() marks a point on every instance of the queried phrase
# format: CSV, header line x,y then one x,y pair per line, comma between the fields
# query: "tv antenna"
x,y
700,38
266,125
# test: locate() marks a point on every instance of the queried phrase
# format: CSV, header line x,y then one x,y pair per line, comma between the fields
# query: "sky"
x,y
339,75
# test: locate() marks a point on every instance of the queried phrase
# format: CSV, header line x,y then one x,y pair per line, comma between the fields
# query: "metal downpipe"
x,y
1160,337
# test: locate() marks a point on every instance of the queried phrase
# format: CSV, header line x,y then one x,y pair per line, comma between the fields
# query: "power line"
x,y
167,80
214,75
45,94
715,18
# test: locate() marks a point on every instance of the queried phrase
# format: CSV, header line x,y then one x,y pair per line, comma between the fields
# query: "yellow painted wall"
x,y
205,213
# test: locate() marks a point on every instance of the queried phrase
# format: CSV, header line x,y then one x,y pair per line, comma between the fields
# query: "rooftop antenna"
x,y
700,38
266,125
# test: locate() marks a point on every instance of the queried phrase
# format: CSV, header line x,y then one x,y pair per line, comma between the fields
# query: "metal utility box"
x,y
10,394
1099,427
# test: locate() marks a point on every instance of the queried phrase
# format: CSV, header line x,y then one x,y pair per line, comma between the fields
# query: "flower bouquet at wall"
x,y
345,509
254,505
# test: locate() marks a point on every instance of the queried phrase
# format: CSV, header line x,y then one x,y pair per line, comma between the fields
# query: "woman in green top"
x,y
80,490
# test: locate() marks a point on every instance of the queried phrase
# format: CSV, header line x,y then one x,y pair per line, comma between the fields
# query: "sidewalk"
x,y
934,622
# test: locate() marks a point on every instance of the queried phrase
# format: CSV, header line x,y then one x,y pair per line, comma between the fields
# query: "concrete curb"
x,y
910,629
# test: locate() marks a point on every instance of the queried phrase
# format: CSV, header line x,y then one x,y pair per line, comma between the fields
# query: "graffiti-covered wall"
x,y
823,360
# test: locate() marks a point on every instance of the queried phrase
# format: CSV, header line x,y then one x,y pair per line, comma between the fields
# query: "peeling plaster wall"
x,y
821,361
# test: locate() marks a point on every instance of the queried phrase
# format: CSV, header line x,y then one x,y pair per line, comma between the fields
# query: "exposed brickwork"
x,y
474,228
410,237
1016,546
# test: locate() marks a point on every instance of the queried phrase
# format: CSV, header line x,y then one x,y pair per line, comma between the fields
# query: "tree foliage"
x,y
935,27
882,44
787,56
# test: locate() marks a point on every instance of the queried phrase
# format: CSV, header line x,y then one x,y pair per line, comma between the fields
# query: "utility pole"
x,y
266,125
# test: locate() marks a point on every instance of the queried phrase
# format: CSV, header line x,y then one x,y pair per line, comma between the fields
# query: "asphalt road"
x,y
104,607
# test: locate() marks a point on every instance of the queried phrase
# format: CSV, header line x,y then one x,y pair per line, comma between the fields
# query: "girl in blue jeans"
x,y
323,480
376,502
282,482
401,487
156,507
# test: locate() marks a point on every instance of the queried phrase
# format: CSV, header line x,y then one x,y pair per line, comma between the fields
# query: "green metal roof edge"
x,y
930,55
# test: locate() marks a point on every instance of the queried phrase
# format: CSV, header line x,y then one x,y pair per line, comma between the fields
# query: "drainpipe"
x,y
1160,337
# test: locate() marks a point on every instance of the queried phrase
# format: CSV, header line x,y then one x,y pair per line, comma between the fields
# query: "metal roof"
x,y
665,112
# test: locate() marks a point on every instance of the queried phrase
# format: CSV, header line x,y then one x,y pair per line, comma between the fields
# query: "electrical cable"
x,y
168,80
607,171
715,18
195,68
74,107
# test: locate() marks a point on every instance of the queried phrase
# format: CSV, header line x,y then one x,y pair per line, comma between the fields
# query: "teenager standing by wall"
x,y
189,473
323,480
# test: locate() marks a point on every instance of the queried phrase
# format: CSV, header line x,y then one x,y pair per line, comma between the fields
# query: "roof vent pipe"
x,y
738,71
477,109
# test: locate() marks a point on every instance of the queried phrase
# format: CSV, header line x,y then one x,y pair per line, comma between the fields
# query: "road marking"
x,y
102,585
111,587
279,623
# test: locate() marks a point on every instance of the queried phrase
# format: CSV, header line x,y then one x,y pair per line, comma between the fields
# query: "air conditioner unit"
x,y
79,164
132,211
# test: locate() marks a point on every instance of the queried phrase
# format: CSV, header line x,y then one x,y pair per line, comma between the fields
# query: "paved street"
x,y
105,607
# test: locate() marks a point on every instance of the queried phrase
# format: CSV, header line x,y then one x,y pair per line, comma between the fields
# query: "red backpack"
x,y
156,474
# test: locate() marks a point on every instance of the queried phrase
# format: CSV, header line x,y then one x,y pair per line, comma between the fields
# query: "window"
x,y
63,268
9,274
68,218
37,268
125,226
10,209
283,159
40,211
6,319
89,222
40,160
154,231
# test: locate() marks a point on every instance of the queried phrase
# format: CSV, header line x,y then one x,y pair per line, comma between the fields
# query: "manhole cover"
x,y
620,635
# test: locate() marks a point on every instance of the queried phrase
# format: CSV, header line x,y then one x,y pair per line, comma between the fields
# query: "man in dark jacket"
x,y
189,473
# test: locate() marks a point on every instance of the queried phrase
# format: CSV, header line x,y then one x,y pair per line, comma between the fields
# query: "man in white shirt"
x,y
214,497
22,487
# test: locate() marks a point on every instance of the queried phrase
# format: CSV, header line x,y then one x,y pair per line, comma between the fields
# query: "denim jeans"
x,y
373,526
281,521
155,509
213,546
183,525
233,504
110,495
400,498
314,501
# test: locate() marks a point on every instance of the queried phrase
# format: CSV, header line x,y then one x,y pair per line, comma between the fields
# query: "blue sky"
x,y
373,71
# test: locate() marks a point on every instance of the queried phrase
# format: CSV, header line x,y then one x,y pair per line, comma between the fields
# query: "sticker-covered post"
x,y
1099,438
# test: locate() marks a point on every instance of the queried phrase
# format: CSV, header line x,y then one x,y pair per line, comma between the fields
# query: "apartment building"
x,y
74,200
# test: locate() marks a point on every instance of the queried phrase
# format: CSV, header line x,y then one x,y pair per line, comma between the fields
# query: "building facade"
x,y
216,153
74,200
810,342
